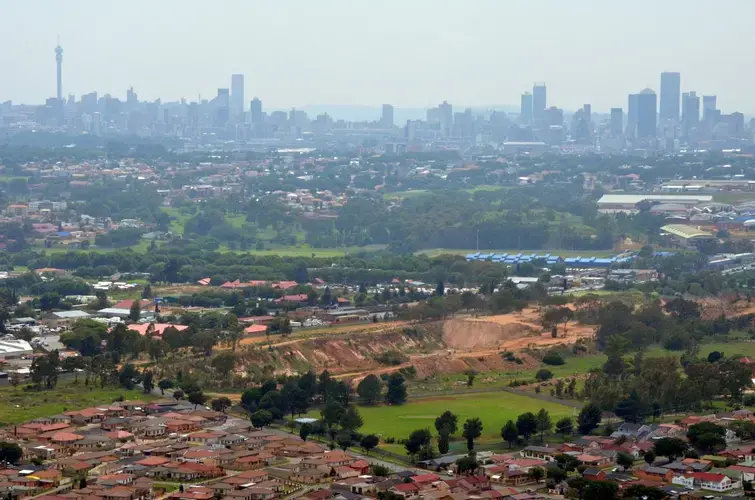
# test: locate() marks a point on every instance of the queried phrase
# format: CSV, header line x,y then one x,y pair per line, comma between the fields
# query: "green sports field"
x,y
493,408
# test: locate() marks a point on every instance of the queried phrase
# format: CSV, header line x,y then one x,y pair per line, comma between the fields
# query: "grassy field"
x,y
494,409
21,406
142,246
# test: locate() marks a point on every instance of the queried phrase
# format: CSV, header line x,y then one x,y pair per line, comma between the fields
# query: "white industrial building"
x,y
11,347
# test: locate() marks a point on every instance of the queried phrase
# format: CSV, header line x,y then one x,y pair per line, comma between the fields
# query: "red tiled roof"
x,y
406,487
158,328
707,476
255,329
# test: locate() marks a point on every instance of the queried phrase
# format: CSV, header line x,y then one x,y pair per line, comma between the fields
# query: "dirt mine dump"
x,y
508,332
451,346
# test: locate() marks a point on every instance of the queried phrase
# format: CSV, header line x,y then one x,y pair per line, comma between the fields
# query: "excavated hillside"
x,y
451,346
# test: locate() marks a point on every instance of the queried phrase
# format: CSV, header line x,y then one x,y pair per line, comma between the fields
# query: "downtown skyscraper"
x,y
670,95
237,98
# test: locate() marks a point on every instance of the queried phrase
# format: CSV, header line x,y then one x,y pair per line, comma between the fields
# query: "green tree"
x,y
707,437
649,457
526,424
472,430
396,393
416,440
351,420
565,426
440,290
73,364
369,389
10,452
368,442
544,423
164,384
261,418
448,422
543,374
670,448
625,460
332,413
148,382
589,418
221,404
197,398
509,433
467,465
536,474
304,431
135,311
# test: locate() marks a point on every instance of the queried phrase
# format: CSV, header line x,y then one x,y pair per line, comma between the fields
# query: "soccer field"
x,y
493,408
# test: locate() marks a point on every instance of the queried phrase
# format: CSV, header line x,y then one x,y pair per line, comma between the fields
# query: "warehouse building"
x,y
612,203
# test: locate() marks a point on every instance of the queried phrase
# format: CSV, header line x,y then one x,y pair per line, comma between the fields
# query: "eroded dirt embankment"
x,y
451,346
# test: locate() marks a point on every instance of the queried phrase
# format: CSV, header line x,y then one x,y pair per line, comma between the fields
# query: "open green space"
x,y
494,409
19,405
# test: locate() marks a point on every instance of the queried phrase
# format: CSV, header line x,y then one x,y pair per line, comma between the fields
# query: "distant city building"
x,y
632,114
386,119
525,112
131,97
539,101
647,105
617,121
690,113
255,110
709,108
670,93
222,104
446,118
237,97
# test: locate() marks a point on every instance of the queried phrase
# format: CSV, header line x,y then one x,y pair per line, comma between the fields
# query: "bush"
x,y
553,359
391,358
543,375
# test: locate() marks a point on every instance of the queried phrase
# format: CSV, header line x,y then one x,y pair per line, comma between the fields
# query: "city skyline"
x,y
356,60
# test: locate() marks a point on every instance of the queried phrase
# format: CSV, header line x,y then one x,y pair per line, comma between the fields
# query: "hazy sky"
x,y
412,53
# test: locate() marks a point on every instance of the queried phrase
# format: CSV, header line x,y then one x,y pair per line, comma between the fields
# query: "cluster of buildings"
x,y
723,473
675,121
128,450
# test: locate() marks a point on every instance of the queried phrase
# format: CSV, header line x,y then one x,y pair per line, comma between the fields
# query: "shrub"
x,y
543,375
553,359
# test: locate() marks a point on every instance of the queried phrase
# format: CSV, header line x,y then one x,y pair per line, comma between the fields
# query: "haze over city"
x,y
411,54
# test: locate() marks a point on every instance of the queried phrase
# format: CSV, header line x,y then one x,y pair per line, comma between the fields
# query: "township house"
x,y
706,480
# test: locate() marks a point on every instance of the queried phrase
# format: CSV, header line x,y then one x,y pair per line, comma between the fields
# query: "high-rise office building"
x,y
222,103
670,92
539,101
237,97
588,112
386,119
647,106
632,114
735,124
131,97
525,112
446,118
617,121
59,63
255,109
709,108
690,113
